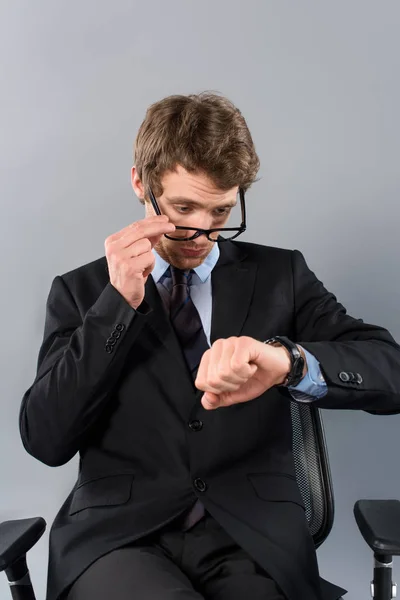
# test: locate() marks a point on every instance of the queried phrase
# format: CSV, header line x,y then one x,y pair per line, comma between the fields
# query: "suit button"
x,y
200,485
109,349
120,327
359,379
116,334
196,425
111,341
344,376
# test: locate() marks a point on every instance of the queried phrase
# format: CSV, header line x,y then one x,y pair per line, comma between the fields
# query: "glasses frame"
x,y
206,232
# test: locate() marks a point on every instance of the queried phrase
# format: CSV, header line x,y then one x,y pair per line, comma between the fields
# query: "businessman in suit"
x,y
170,364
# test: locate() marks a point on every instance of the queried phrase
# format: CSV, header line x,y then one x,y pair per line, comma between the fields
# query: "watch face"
x,y
297,372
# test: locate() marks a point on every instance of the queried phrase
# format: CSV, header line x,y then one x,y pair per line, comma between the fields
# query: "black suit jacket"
x,y
126,405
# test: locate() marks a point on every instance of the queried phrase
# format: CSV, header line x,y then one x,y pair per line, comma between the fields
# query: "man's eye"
x,y
220,212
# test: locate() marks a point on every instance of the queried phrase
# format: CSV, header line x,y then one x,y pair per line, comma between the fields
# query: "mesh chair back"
x,y
312,469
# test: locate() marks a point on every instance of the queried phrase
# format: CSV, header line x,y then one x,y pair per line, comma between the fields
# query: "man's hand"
x,y
129,256
238,369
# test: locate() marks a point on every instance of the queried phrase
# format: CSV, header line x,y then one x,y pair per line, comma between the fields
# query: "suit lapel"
x,y
232,281
160,323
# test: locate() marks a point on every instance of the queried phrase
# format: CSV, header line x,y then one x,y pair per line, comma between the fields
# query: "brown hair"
x,y
202,133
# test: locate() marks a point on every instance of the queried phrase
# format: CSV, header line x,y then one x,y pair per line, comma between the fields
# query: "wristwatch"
x,y
295,374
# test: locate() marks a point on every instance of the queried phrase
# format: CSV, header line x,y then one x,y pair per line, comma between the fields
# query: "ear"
x,y
137,185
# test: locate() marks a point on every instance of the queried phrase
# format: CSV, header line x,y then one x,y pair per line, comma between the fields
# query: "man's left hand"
x,y
238,369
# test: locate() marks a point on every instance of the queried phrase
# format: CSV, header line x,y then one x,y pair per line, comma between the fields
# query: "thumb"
x,y
209,400
244,368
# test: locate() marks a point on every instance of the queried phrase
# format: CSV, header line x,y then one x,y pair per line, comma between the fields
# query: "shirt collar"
x,y
203,271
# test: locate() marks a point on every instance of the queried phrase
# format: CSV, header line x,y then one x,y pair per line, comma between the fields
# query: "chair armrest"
x,y
379,524
17,537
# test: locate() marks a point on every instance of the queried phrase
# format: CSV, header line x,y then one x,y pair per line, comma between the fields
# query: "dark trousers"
x,y
202,563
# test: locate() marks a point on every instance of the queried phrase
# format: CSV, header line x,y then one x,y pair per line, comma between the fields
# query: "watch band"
x,y
295,374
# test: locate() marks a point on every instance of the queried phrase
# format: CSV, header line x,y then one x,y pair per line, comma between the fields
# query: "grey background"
x,y
319,85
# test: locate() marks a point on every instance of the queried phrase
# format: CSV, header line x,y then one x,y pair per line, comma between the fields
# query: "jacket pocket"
x,y
111,490
276,487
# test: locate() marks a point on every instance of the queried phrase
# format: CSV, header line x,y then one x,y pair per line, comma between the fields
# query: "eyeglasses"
x,y
212,234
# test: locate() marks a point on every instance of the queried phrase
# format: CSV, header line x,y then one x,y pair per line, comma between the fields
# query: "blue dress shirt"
x,y
311,387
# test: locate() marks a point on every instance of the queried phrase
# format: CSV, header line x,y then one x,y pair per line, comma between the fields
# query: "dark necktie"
x,y
187,324
186,320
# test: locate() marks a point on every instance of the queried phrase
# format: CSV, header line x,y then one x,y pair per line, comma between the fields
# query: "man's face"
x,y
190,200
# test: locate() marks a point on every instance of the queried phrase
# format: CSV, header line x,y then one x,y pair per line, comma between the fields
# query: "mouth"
x,y
193,251
196,249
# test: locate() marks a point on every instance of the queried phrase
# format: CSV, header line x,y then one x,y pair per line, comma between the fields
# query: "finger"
x,y
155,239
210,401
227,369
230,392
202,370
211,376
140,266
136,249
118,234
137,257
211,381
151,231
149,227
241,361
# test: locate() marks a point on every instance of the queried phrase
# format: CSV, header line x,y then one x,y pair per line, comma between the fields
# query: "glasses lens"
x,y
213,236
224,216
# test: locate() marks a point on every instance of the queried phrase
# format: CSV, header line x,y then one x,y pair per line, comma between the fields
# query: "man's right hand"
x,y
129,256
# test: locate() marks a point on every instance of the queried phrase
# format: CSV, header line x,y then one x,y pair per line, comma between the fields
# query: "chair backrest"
x,y
312,469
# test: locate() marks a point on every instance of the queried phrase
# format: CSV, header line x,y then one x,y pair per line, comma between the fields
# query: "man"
x,y
170,365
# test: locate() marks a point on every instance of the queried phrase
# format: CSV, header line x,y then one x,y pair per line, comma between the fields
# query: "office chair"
x,y
378,520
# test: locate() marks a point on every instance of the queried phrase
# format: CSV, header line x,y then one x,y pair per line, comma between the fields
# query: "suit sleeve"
x,y
78,365
360,362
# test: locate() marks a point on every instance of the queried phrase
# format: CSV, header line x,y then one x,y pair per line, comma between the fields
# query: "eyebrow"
x,y
183,200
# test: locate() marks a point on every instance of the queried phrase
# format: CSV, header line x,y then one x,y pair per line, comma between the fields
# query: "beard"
x,y
170,252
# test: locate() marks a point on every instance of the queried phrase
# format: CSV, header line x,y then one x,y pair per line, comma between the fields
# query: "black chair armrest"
x,y
379,524
17,537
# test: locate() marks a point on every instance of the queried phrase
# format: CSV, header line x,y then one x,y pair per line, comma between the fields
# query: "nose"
x,y
201,222
200,240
